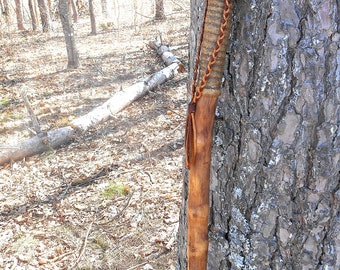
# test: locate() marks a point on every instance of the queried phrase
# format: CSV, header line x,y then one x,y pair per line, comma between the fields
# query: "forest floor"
x,y
111,198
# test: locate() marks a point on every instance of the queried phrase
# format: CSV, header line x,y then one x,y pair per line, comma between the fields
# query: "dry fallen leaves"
x,y
48,202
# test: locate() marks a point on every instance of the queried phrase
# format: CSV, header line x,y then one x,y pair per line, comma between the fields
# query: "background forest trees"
x,y
72,53
27,14
275,167
107,14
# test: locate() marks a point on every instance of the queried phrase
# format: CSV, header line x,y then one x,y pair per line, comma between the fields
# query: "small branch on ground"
x,y
82,250
119,213
34,119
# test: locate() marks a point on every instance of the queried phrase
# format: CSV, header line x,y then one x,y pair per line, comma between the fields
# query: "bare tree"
x,y
93,18
104,7
74,10
72,53
274,190
159,10
44,15
18,11
33,15
36,11
5,9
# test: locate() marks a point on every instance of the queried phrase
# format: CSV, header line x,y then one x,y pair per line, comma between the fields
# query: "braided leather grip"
x,y
214,45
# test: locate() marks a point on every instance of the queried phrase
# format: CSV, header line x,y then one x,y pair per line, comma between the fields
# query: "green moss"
x,y
4,102
115,189
101,242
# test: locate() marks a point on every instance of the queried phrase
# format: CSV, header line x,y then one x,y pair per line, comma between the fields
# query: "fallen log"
x,y
125,97
164,52
62,136
38,144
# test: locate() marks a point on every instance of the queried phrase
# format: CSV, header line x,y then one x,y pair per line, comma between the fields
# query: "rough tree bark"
x,y
159,10
275,166
44,15
18,12
72,53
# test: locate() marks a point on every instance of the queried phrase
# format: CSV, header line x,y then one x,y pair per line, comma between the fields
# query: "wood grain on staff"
x,y
211,62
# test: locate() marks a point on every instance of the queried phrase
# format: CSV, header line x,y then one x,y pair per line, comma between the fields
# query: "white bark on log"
x,y
123,98
38,144
120,100
167,56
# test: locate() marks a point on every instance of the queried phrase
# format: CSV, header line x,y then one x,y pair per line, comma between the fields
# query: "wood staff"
x,y
200,121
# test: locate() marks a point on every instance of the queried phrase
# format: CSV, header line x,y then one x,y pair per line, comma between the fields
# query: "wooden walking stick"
x,y
200,121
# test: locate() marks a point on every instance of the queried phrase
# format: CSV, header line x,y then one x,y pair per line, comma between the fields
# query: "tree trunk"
x,y
74,10
33,15
72,53
159,10
5,10
274,192
18,12
36,11
45,23
104,7
93,18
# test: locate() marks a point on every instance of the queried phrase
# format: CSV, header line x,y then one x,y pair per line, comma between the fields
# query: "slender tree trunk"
x,y
6,7
6,10
36,11
116,12
274,193
159,10
72,53
18,12
44,15
104,7
93,18
74,10
33,15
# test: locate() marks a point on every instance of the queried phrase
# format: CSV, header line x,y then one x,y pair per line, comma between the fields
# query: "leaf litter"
x,y
111,198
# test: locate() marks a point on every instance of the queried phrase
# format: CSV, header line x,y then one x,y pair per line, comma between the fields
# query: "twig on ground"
x,y
136,266
147,150
177,4
148,174
82,250
60,257
120,212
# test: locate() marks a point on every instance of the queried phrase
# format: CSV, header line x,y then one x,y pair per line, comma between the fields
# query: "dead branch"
x,y
56,138
82,250
38,144
34,119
